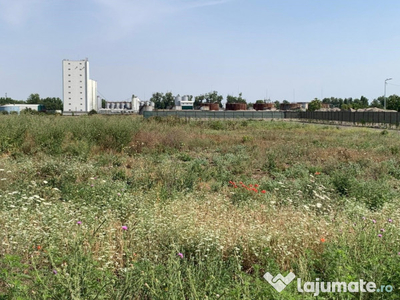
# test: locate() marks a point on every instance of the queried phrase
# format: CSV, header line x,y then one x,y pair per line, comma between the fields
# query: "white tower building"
x,y
79,92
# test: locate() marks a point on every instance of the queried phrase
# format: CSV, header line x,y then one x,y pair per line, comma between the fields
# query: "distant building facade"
x,y
18,108
79,92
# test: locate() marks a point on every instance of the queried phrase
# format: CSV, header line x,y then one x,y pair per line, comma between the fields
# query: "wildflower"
x,y
319,205
390,220
180,254
119,194
79,222
92,185
250,185
255,190
124,227
398,253
322,240
39,247
380,235
45,182
263,191
363,218
54,272
256,185
374,221
382,230
317,173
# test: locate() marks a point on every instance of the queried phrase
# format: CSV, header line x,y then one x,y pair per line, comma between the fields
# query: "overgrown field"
x,y
125,208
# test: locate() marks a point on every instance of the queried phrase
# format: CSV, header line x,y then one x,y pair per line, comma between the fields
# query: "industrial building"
x,y
18,108
79,91
182,103
113,107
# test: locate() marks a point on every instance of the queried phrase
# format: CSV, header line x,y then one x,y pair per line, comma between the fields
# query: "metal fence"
x,y
201,114
367,117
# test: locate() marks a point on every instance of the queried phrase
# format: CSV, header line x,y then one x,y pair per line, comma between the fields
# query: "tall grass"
x,y
208,208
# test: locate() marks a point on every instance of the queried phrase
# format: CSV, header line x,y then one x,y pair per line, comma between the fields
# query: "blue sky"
x,y
289,49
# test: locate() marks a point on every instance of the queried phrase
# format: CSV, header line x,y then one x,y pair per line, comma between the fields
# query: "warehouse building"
x,y
20,107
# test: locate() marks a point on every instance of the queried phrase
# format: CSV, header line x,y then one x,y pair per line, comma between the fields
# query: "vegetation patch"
x,y
99,207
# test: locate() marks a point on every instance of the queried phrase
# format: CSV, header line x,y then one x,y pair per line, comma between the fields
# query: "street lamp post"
x,y
384,94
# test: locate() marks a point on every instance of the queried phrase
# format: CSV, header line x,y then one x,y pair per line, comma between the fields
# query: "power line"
x,y
101,95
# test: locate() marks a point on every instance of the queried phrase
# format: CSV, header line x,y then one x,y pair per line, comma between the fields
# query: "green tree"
x,y
198,100
378,103
364,102
52,103
314,105
393,102
277,104
103,103
233,99
157,98
214,97
168,100
33,99
211,97
8,100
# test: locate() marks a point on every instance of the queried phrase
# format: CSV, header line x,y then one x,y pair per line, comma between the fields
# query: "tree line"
x,y
392,103
167,100
51,103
